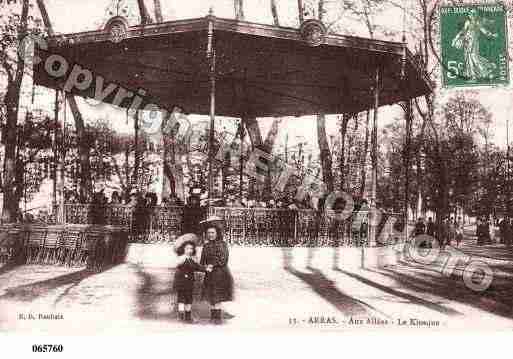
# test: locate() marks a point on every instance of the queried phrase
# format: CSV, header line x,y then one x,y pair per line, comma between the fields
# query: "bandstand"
x,y
223,67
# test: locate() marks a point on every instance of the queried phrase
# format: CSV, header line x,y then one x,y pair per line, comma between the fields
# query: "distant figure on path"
x,y
97,212
192,215
508,232
481,232
420,227
430,227
459,232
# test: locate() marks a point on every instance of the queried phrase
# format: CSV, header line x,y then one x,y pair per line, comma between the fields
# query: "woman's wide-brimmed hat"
x,y
213,221
180,242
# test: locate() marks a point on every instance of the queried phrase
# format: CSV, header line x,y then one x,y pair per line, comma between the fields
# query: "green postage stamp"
x,y
474,45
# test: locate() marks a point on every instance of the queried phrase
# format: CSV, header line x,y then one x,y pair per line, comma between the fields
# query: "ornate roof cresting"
x,y
124,8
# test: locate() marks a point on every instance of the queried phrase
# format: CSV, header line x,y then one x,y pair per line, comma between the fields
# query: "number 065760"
x,y
47,348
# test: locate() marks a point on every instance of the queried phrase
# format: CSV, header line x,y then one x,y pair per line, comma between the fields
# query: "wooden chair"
x,y
70,247
51,246
35,244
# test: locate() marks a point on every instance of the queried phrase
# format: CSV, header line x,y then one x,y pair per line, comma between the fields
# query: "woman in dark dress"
x,y
218,283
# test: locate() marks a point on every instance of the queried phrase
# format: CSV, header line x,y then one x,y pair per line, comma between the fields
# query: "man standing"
x,y
503,224
420,227
430,227
192,215
480,232
459,232
508,232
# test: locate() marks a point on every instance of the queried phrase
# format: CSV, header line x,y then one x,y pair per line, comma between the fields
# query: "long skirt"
x,y
218,285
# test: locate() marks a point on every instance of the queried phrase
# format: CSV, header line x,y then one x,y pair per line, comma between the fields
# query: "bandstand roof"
x,y
261,70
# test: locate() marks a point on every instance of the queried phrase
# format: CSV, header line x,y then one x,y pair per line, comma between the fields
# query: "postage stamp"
x,y
474,45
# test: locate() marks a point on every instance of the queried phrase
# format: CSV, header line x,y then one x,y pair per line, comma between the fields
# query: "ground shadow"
x,y
149,298
497,299
490,252
326,288
287,257
8,267
32,291
411,298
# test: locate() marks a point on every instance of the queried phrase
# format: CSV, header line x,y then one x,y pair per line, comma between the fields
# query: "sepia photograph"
x,y
172,166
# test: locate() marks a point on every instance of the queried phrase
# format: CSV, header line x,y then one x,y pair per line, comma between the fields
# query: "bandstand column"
x,y
408,115
211,56
373,207
55,154
62,166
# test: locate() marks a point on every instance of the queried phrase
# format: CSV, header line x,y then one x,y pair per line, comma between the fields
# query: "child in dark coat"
x,y
183,283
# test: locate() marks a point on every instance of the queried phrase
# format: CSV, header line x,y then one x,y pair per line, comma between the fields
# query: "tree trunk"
x,y
239,9
12,102
143,12
85,185
10,205
418,163
321,10
83,150
325,153
268,147
274,11
301,11
45,17
129,184
158,11
322,139
343,133
271,136
443,195
363,161
137,154
253,131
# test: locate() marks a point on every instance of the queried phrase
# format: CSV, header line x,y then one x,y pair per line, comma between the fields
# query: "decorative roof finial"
x,y
211,11
123,8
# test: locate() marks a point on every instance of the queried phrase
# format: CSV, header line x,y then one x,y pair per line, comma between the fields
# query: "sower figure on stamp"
x,y
476,66
183,283
218,283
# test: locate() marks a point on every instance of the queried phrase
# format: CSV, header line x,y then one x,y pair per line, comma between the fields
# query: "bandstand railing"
x,y
302,227
243,226
160,223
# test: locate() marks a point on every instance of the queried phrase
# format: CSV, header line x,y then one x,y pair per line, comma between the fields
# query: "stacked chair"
x,y
69,248
35,244
96,248
51,246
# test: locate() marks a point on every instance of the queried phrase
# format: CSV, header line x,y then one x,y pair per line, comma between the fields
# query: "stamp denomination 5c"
x,y
474,45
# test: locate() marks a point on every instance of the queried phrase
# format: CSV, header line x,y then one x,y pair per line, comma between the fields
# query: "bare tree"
x,y
83,148
322,139
13,32
274,11
86,187
342,161
158,11
238,6
143,12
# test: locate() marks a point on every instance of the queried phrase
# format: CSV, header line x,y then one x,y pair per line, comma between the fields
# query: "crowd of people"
x,y
451,231
506,231
486,231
